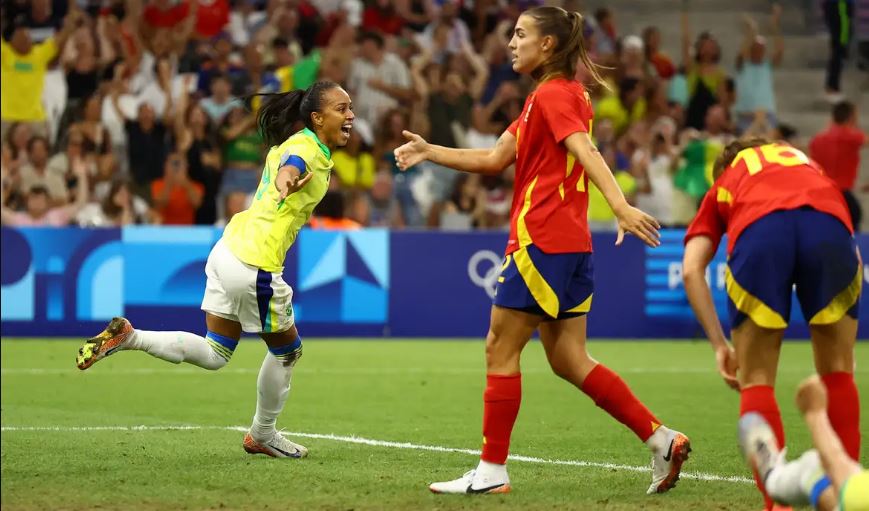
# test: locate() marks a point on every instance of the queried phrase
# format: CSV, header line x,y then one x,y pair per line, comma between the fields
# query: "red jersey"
x,y
550,200
838,151
761,180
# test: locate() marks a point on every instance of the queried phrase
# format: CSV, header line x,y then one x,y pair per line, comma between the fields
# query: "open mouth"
x,y
345,129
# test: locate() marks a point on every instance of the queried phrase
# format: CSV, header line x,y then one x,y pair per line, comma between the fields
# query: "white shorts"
x,y
261,301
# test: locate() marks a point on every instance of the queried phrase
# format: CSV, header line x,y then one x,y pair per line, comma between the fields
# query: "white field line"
x,y
187,370
700,476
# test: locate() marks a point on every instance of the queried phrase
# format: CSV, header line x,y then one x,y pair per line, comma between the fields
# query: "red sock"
x,y
761,399
612,394
843,409
500,408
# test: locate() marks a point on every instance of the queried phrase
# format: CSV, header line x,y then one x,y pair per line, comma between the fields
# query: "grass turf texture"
x,y
421,392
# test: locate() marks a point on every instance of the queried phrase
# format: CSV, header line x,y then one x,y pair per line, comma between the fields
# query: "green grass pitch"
x,y
423,392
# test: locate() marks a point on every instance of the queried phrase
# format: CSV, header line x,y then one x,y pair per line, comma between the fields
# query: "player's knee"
x,y
222,348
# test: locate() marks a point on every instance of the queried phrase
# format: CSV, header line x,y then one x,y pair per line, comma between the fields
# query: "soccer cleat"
x,y
667,463
468,484
758,444
277,447
104,344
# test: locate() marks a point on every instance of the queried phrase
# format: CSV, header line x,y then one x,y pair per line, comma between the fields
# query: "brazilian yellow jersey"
x,y
261,235
855,493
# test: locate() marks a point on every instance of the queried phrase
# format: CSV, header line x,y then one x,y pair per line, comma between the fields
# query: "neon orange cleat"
x,y
104,344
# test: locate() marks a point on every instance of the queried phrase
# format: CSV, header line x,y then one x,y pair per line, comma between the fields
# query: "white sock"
x,y
658,440
177,347
791,483
273,388
490,472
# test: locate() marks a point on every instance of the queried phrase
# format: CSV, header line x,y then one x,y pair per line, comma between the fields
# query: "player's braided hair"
x,y
279,113
732,149
567,29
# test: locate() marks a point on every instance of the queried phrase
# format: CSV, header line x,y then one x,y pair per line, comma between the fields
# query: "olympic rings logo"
x,y
484,267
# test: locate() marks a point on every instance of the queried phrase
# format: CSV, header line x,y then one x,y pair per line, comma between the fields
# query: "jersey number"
x,y
784,155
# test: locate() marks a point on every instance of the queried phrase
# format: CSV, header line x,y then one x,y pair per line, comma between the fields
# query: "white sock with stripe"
x,y
211,352
273,388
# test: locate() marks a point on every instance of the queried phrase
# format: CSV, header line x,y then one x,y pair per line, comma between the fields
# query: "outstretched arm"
x,y
698,253
476,161
630,219
812,403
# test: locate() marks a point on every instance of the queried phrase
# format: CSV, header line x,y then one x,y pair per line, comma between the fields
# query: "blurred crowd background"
x,y
118,112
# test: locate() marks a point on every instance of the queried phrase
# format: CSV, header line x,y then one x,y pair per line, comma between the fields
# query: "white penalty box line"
x,y
699,476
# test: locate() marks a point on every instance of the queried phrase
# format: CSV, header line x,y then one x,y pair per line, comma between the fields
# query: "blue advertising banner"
x,y
373,282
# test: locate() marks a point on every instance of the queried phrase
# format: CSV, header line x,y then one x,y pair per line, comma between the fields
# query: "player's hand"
x,y
289,181
811,395
725,359
640,224
411,153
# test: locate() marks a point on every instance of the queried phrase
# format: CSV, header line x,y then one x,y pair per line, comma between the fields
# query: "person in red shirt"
x,y
175,196
837,150
546,282
787,225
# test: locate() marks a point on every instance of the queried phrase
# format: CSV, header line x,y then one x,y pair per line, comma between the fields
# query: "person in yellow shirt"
x,y
23,66
245,290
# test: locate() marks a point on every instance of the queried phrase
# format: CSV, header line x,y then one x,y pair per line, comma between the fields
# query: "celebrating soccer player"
x,y
245,290
787,225
546,280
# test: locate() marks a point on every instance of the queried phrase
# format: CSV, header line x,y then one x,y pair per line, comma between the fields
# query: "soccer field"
x,y
381,418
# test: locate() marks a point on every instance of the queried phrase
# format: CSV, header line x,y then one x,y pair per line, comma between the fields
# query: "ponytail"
x,y
567,28
280,112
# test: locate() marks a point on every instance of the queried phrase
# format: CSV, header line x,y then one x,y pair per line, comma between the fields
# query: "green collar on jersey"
x,y
323,147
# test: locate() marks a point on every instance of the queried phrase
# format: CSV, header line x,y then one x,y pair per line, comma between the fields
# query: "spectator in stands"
x,y
16,141
384,209
38,211
838,15
455,30
389,138
118,208
378,79
632,61
220,102
605,35
97,141
23,67
354,164
652,167
659,60
623,106
176,197
242,152
382,16
755,96
233,202
245,21
330,214
466,205
84,58
837,150
145,133
703,73
36,173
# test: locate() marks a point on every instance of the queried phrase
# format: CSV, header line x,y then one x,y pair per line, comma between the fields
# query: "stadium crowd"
x,y
118,112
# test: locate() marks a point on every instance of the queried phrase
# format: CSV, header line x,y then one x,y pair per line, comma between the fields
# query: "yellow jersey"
x,y
855,492
23,80
261,235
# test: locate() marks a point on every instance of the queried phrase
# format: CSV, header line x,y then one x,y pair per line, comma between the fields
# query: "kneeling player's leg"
x,y
210,352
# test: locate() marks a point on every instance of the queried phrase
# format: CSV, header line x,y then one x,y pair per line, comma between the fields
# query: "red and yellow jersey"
x,y
550,202
761,180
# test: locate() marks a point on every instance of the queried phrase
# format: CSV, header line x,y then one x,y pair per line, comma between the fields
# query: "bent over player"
x,y
546,283
245,290
787,226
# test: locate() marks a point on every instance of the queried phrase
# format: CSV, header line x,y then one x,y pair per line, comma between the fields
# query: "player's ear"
x,y
547,43
317,119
